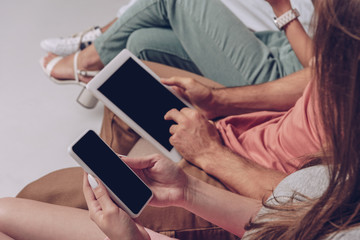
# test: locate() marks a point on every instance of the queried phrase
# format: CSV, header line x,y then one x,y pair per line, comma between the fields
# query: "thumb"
x,y
140,162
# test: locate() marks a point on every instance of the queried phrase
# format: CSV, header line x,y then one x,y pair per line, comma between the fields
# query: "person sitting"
x,y
171,33
276,95
44,189
318,202
255,14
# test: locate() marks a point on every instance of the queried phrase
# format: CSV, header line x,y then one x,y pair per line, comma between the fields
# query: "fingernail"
x,y
92,181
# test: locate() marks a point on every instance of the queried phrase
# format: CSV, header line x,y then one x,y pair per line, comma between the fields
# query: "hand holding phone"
x,y
126,189
116,224
167,180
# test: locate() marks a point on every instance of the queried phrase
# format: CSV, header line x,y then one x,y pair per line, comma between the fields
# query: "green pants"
x,y
201,36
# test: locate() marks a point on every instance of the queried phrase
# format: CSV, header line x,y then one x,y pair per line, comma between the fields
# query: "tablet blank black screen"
x,y
141,97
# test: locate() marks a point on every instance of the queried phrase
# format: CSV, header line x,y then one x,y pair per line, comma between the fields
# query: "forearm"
x,y
223,208
299,40
278,95
241,175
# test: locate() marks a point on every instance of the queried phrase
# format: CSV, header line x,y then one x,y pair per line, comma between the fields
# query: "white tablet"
x,y
135,94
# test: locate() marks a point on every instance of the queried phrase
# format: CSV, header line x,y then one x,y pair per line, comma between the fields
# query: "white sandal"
x,y
85,98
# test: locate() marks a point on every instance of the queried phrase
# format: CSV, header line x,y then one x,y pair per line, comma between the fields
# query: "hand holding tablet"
x,y
135,94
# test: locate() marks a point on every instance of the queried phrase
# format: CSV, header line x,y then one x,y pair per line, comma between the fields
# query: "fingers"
x,y
173,129
184,118
113,221
92,203
88,193
174,115
96,196
181,82
92,181
141,162
104,199
179,116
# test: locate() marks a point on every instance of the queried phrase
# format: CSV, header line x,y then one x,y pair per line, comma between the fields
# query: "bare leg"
x,y
89,60
27,219
106,27
5,237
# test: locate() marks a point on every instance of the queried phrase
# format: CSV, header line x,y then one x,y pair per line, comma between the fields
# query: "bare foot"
x,y
64,69
88,60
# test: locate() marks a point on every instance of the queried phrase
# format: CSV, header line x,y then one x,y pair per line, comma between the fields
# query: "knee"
x,y
7,207
151,43
41,190
29,191
62,187
139,43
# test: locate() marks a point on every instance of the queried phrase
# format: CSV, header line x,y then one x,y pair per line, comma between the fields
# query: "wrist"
x,y
213,105
189,193
281,8
213,159
219,103
286,18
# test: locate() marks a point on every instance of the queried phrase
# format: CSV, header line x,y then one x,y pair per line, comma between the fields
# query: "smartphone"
x,y
125,188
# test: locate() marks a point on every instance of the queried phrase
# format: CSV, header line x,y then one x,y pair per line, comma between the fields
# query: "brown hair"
x,y
337,71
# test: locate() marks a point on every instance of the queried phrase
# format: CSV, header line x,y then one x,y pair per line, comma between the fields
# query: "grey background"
x,y
38,118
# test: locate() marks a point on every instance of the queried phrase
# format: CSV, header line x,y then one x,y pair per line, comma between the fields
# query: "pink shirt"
x,y
275,140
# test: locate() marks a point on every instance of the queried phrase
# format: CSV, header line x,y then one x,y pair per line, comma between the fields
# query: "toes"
x,y
48,58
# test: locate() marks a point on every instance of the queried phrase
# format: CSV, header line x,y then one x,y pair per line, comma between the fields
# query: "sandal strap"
x,y
49,67
87,73
84,73
76,77
79,34
82,34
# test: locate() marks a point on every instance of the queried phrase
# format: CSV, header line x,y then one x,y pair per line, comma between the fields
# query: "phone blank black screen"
x,y
112,171
141,97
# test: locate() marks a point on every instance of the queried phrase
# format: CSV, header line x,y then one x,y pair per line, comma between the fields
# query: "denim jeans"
x,y
201,36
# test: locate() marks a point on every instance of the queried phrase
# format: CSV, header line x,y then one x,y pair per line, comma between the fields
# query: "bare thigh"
x,y
28,219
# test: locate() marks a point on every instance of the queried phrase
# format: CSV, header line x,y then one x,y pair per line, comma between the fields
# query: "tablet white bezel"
x,y
106,73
